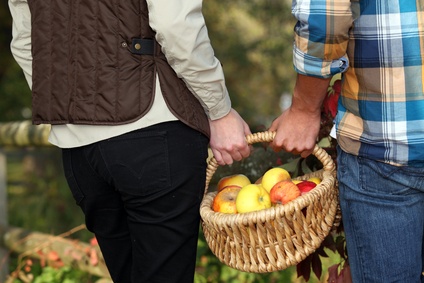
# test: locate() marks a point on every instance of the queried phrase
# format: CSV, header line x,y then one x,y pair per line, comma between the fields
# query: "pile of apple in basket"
x,y
237,194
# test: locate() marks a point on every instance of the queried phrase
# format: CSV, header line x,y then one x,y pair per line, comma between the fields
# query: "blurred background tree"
x,y
253,41
14,92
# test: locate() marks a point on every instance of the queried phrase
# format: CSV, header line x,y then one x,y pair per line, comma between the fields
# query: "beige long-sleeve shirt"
x,y
182,33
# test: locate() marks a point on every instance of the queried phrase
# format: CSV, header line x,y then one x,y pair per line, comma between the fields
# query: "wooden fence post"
x,y
4,253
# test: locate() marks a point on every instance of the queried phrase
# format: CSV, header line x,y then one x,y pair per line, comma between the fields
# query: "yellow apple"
x,y
283,192
316,180
252,197
225,200
231,180
296,181
273,176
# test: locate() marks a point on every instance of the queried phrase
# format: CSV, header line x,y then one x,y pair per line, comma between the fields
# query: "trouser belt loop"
x,y
142,46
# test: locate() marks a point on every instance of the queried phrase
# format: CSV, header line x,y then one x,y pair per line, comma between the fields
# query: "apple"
x,y
316,180
225,200
283,192
273,176
297,181
231,180
305,186
252,197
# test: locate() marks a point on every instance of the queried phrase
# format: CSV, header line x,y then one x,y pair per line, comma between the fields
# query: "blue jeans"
x,y
383,217
140,193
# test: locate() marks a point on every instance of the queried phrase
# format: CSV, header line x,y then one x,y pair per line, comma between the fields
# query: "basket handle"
x,y
320,154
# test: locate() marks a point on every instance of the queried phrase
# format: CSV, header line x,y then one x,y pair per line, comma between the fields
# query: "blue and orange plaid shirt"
x,y
379,47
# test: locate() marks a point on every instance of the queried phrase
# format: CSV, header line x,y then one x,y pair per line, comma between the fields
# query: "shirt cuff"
x,y
221,109
312,66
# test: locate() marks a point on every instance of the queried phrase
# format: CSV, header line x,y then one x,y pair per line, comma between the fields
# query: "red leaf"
x,y
337,86
321,252
345,275
303,268
340,246
329,243
330,104
331,100
333,273
316,265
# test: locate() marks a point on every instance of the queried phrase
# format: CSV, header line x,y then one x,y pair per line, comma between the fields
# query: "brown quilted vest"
x,y
94,62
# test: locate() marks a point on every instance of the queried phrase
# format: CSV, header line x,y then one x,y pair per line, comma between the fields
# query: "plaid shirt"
x,y
379,47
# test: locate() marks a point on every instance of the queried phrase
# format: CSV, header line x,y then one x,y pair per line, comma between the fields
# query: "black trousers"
x,y
140,193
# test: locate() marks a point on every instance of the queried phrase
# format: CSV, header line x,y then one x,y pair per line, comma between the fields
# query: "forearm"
x,y
309,93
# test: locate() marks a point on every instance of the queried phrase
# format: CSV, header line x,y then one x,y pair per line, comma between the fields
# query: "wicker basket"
x,y
278,237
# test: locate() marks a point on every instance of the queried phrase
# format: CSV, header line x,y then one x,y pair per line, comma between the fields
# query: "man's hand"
x,y
228,138
298,127
297,132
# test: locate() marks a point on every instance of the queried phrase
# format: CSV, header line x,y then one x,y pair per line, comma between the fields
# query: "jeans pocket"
x,y
138,162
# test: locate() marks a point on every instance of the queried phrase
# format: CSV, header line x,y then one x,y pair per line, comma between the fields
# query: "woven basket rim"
x,y
274,238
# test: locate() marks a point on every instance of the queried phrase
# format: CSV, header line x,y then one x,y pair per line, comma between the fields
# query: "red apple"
x,y
306,186
225,200
283,192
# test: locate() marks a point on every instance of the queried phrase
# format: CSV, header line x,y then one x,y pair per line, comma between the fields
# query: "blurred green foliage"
x,y
14,92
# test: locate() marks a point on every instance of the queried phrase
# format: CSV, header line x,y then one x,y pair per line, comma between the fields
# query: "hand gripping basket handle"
x,y
320,154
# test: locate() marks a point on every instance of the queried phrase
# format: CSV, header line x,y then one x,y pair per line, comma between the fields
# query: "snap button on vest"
x,y
142,46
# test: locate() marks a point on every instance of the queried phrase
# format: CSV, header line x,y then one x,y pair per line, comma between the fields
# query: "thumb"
x,y
246,129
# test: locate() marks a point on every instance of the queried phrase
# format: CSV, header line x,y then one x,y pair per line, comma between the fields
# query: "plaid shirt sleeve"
x,y
321,36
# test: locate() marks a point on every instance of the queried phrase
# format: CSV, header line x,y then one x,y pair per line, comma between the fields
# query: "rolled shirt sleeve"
x,y
21,36
181,31
321,36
